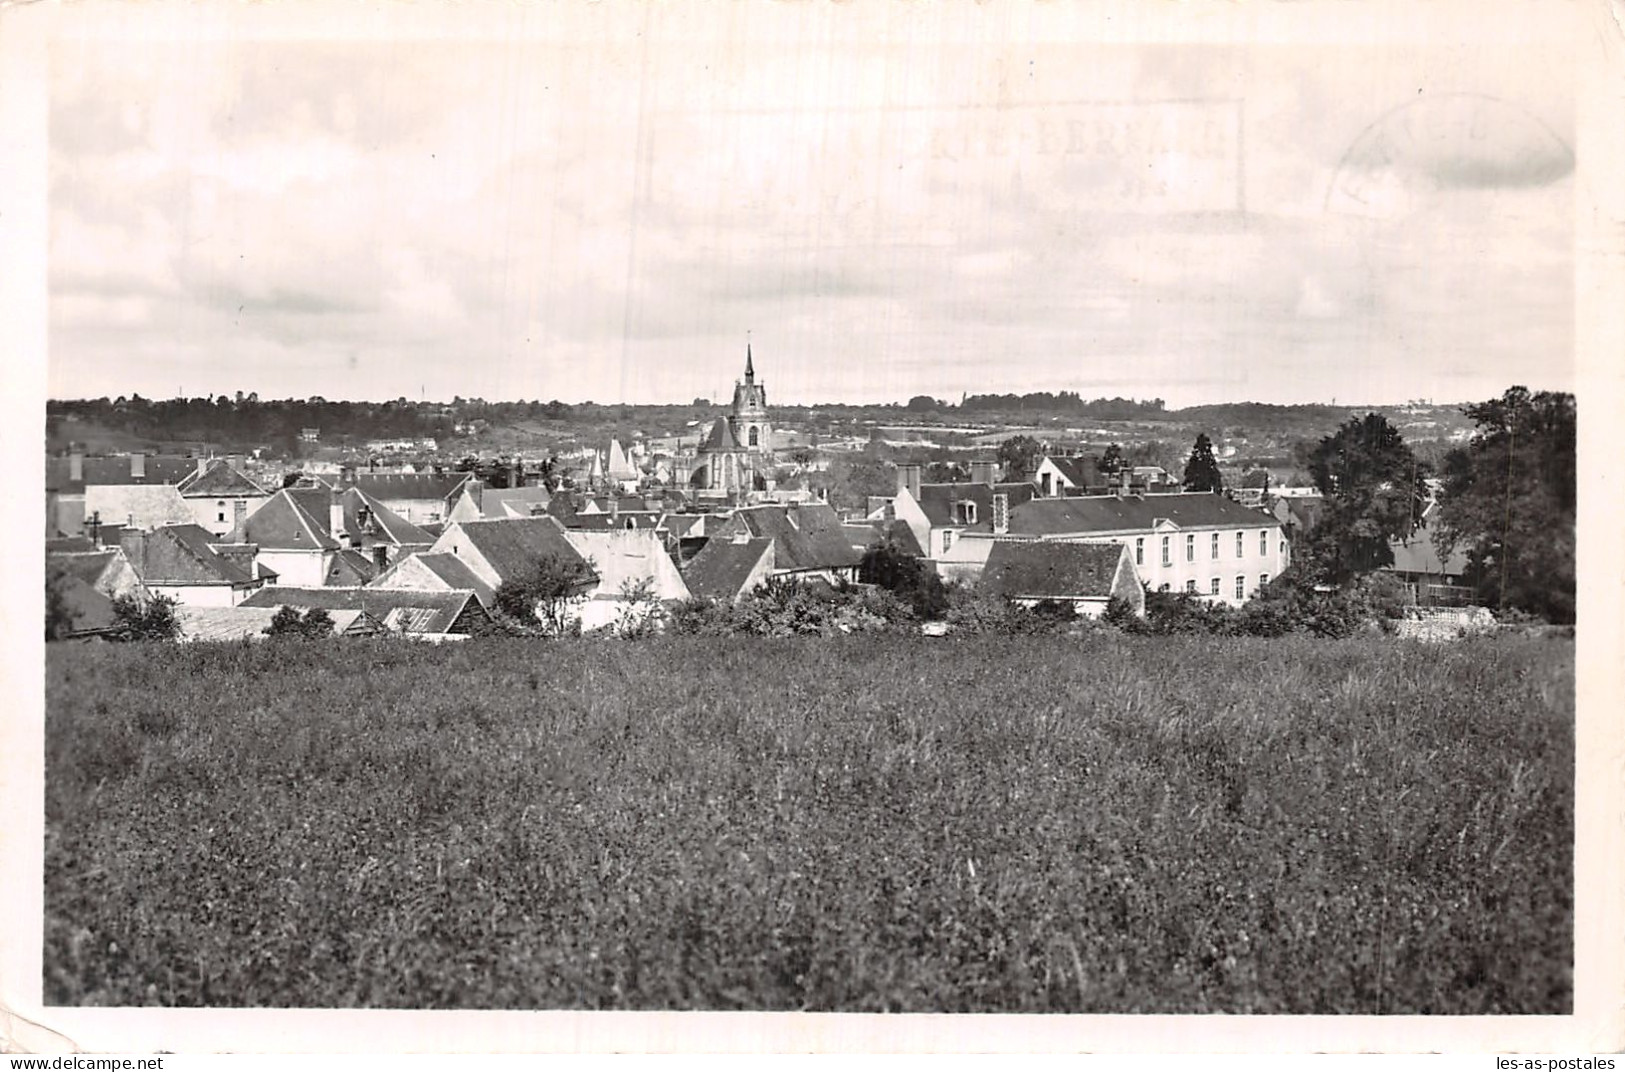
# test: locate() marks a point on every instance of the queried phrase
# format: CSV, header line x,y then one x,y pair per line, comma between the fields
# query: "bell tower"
x,y
749,419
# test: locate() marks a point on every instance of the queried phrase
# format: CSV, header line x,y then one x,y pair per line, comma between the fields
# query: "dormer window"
x,y
968,510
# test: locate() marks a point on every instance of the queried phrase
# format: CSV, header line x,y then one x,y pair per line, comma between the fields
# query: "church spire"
x,y
750,369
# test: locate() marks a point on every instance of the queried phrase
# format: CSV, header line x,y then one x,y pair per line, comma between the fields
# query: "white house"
x,y
1193,542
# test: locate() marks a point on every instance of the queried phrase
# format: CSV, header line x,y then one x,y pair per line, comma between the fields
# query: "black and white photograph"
x,y
825,510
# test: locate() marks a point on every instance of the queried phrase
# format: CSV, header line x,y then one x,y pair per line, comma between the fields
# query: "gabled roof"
x,y
720,439
723,566
940,502
435,611
514,502
1112,513
411,485
620,558
180,555
282,523
806,536
456,575
219,480
365,515
512,545
1052,570
1081,470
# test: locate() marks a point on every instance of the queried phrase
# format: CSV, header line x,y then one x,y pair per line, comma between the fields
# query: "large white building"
x,y
1194,542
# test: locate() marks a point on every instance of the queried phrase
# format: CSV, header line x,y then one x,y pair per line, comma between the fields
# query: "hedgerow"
x,y
1101,823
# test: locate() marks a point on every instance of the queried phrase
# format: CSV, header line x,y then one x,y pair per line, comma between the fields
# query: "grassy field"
x,y
987,824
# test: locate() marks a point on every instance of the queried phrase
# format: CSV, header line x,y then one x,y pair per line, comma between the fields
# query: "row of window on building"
x,y
1214,585
1190,547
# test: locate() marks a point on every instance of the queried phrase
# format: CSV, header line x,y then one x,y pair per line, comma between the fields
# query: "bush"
x,y
142,620
314,624
783,608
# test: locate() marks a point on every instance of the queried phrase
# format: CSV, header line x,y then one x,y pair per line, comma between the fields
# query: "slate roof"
x,y
721,438
246,622
411,485
455,572
1051,570
723,566
512,545
160,469
381,521
938,501
1111,513
282,523
1417,555
439,610
67,544
806,536
149,504
181,555
1081,470
219,480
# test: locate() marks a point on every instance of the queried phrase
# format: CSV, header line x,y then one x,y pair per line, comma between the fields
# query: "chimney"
x,y
346,476
235,461
908,479
239,516
138,466
984,472
202,464
134,546
335,517
1001,514
76,463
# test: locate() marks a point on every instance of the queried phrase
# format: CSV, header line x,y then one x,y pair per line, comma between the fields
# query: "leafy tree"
x,y
1019,457
906,577
1202,469
151,619
923,403
1111,462
545,596
1375,489
314,624
1509,500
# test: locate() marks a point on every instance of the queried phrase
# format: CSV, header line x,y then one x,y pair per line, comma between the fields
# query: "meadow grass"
x,y
1111,824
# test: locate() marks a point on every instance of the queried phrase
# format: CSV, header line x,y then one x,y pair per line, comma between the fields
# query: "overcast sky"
x,y
890,204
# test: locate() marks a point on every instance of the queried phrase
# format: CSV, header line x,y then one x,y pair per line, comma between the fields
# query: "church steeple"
x,y
750,369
